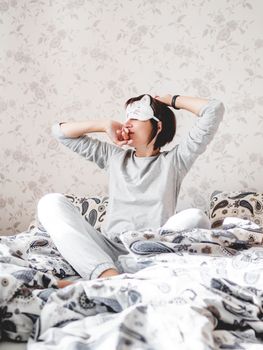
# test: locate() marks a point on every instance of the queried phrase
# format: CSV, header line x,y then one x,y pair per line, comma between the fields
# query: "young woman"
x,y
144,182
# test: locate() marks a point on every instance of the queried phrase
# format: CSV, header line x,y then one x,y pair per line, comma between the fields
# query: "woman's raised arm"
x,y
76,129
209,115
189,103
111,127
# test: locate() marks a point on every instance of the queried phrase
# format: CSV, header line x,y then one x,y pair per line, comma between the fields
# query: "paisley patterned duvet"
x,y
196,289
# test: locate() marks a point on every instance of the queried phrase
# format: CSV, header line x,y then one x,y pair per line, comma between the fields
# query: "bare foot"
x,y
64,283
109,272
106,273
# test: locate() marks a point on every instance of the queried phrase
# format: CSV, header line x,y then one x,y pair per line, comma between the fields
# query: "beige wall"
x,y
77,60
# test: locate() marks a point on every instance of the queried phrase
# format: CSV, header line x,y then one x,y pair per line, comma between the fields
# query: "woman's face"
x,y
139,131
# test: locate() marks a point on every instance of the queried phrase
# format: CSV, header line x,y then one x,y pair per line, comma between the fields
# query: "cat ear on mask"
x,y
146,100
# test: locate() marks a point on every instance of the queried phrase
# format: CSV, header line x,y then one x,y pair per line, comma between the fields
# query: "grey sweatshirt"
x,y
143,191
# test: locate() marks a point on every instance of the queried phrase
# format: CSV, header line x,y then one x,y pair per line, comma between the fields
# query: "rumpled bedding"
x,y
200,289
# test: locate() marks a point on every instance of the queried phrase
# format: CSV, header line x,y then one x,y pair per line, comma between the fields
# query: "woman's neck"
x,y
146,153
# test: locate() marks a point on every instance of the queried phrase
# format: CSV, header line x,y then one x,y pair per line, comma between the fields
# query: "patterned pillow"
x,y
241,204
92,208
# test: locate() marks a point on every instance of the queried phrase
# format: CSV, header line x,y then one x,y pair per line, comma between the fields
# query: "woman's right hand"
x,y
118,133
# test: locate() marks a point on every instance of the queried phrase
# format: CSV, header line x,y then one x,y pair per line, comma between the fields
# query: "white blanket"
x,y
178,303
181,299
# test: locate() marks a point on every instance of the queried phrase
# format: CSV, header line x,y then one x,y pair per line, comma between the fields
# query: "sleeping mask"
x,y
141,109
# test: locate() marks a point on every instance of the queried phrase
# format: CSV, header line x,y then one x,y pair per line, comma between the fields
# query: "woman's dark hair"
x,y
166,116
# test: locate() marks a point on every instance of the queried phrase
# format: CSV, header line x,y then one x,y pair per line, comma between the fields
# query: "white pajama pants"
x,y
87,250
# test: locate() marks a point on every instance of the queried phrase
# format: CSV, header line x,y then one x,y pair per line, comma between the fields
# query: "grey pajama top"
x,y
143,191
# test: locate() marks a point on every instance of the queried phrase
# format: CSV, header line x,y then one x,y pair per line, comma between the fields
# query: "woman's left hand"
x,y
166,99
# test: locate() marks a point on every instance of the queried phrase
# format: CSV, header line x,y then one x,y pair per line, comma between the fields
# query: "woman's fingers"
x,y
125,135
122,136
124,132
122,143
119,136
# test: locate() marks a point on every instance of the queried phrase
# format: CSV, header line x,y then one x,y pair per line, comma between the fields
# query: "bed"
x,y
200,289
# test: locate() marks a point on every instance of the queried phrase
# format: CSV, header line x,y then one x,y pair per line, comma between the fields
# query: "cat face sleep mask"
x,y
140,110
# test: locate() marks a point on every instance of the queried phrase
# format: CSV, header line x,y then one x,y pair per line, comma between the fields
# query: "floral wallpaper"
x,y
75,60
